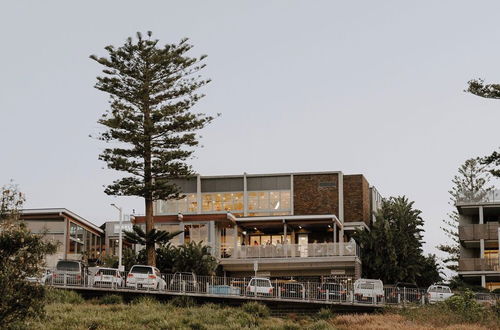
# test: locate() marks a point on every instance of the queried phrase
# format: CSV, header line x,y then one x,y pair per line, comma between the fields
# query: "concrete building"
x,y
287,224
479,236
76,237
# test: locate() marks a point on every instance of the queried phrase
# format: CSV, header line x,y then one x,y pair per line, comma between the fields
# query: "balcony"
x,y
478,264
315,250
475,232
492,197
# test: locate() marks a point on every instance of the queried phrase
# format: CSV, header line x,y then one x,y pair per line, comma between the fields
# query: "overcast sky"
x,y
371,87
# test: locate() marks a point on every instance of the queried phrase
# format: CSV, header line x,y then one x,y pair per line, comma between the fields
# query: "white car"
x,y
108,278
260,286
368,290
437,293
145,277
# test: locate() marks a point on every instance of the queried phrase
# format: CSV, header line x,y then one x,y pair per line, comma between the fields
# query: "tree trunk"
x,y
150,246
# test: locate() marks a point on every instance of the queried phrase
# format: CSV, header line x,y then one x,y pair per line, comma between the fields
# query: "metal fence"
x,y
333,291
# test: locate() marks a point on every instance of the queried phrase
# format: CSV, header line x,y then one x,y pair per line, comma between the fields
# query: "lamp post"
x,y
120,266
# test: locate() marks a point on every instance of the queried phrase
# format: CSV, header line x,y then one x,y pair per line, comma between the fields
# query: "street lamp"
x,y
120,267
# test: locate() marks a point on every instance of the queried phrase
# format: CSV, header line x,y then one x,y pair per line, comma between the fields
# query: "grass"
x,y
110,312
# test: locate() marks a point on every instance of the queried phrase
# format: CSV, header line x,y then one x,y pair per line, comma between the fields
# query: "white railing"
x,y
292,250
492,196
340,291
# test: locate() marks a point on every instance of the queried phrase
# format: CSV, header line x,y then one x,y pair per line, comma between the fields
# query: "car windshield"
x,y
141,270
367,286
107,272
333,287
68,266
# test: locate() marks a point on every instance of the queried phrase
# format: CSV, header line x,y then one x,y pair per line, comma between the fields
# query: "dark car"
x,y
69,272
332,291
185,282
292,291
404,292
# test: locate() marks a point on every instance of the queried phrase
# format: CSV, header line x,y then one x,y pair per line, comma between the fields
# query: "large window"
x,y
269,201
186,205
217,202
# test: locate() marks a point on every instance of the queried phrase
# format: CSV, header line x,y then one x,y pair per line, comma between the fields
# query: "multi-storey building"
x,y
479,235
76,237
290,224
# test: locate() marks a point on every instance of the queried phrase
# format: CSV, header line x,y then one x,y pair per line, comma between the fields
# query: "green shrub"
x,y
183,301
111,299
325,314
62,296
256,309
497,291
466,306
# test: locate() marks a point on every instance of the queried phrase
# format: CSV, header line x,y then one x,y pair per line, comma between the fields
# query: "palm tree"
x,y
154,236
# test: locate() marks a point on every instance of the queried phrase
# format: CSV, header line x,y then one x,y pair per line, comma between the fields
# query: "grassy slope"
x,y
67,310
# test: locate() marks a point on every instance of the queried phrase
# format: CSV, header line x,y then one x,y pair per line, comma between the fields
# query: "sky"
x,y
371,87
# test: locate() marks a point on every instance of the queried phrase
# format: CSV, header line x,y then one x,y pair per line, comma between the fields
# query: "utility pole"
x,y
120,240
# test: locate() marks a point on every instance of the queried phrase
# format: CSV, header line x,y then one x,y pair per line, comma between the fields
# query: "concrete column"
x,y
481,248
481,215
291,193
334,232
235,242
181,235
483,281
341,197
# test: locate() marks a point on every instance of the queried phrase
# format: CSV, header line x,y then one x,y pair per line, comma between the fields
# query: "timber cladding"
x,y
315,194
356,199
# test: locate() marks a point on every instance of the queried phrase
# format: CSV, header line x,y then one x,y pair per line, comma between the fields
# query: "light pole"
x,y
120,267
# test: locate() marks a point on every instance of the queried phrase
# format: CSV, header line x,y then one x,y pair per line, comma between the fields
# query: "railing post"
x,y
327,295
183,286
404,296
208,288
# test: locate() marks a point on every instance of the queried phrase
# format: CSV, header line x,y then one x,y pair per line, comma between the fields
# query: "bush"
x,y
62,296
466,306
183,301
111,299
256,309
497,291
22,255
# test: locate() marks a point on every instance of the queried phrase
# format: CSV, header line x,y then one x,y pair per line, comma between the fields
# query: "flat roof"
x,y
61,211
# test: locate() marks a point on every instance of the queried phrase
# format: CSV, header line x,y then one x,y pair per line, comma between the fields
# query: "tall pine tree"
x,y
489,91
150,124
471,183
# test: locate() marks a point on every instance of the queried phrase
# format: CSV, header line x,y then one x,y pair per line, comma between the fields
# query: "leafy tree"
x,y
489,91
392,249
22,255
11,201
430,272
471,183
194,257
152,89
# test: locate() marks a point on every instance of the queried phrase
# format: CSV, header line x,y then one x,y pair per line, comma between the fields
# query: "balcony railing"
x,y
492,196
478,264
476,232
293,250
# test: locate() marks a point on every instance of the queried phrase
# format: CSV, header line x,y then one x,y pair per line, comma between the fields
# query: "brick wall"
x,y
315,194
356,199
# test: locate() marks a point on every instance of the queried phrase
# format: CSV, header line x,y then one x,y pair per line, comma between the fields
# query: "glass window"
x,y
72,230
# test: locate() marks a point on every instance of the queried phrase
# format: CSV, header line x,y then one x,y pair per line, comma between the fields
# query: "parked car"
x,y
145,277
437,293
260,286
368,290
108,278
183,281
69,272
403,292
42,279
291,290
332,291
